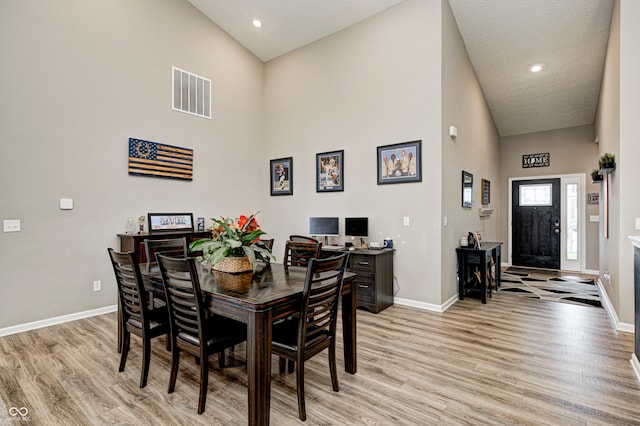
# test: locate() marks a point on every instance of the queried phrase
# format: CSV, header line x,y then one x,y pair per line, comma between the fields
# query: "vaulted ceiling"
x,y
504,38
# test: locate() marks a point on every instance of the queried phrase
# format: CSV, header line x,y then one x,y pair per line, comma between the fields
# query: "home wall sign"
x,y
535,160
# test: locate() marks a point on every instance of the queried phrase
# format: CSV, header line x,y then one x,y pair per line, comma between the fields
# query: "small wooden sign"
x,y
535,160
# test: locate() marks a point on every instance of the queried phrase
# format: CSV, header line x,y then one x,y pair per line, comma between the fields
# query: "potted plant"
x,y
234,245
607,161
596,176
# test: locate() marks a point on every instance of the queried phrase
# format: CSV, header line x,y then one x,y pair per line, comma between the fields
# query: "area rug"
x,y
541,285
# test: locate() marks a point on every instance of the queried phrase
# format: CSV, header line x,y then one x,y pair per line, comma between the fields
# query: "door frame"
x,y
579,265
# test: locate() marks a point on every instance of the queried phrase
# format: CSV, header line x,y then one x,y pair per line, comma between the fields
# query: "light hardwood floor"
x,y
511,361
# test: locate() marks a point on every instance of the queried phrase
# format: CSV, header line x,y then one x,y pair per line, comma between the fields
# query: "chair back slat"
x,y
184,298
302,239
320,297
131,291
173,247
299,253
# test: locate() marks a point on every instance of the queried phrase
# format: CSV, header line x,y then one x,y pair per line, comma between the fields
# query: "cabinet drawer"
x,y
362,264
365,289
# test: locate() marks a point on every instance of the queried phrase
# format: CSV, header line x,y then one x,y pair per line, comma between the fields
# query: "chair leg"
x,y
124,350
302,412
282,363
332,366
291,366
204,383
146,360
175,362
221,359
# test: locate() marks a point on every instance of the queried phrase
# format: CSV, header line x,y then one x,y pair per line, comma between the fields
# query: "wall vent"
x,y
191,93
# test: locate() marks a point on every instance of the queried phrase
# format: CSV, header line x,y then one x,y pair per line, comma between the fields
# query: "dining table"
x,y
258,299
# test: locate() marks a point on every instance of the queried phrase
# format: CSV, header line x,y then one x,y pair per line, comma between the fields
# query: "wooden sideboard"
x,y
374,277
135,242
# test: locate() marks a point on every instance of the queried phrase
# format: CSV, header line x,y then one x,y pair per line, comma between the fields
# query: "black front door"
x,y
536,223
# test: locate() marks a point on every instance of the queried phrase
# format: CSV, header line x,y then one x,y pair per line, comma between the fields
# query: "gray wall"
x,y
475,150
618,129
572,151
375,83
78,79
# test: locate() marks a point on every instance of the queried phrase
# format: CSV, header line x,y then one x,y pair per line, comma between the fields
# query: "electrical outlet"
x,y
97,285
12,225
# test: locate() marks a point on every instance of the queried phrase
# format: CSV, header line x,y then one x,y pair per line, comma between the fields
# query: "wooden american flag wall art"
x,y
160,160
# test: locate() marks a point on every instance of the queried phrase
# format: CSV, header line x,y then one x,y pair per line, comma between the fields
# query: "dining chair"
x,y
313,329
193,328
136,315
268,242
174,247
299,253
302,239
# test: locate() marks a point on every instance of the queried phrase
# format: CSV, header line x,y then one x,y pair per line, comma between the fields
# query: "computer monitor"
x,y
324,226
356,226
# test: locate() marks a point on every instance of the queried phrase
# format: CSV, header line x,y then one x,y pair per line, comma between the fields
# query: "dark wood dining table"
x,y
258,300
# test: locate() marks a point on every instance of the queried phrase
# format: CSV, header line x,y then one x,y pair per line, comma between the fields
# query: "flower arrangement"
x,y
238,237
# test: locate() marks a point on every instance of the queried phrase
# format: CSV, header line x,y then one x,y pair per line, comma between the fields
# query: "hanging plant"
x,y
596,176
607,161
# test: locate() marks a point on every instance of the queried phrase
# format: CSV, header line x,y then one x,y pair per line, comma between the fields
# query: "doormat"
x,y
562,288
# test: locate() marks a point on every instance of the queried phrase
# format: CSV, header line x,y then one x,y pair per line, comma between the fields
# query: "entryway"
x,y
546,222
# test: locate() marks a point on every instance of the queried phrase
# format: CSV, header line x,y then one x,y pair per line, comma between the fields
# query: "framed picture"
x,y
329,171
467,189
400,163
486,191
159,222
281,176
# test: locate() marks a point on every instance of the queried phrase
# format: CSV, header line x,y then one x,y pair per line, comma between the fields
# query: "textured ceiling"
x,y
503,39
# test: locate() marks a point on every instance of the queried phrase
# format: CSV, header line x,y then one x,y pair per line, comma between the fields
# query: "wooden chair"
x,y
135,314
299,254
308,333
268,243
191,324
302,239
174,247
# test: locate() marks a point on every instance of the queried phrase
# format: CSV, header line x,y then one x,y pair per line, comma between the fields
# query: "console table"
x,y
374,277
135,242
469,257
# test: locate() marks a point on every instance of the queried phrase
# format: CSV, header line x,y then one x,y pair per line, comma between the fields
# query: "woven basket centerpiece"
x,y
233,264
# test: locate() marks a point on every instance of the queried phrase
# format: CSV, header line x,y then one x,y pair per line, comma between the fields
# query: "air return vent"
x,y
191,93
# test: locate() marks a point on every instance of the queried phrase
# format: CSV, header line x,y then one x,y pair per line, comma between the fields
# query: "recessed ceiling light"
x,y
257,23
536,68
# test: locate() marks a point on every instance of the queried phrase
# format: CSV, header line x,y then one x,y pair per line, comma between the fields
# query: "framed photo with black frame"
x,y
400,163
330,171
159,222
281,176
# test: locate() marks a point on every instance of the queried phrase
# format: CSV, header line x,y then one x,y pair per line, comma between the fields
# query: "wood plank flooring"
x,y
512,361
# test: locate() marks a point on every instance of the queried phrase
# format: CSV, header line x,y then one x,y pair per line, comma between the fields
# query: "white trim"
x,y
592,272
613,315
635,365
426,306
56,320
581,227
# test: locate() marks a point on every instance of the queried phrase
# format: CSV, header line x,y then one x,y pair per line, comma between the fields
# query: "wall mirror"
x,y
467,189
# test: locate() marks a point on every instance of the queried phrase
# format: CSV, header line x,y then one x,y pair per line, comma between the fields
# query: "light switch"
x,y
637,222
594,218
12,225
66,204
406,221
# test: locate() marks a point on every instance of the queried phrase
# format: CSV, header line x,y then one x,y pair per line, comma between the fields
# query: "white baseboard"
x,y
608,306
635,365
56,320
426,306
